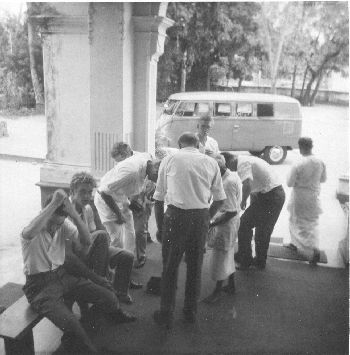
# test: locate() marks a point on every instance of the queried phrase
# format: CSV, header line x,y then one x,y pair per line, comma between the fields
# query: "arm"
x,y
97,220
113,206
214,207
291,177
324,174
246,190
76,267
159,214
223,218
39,222
84,234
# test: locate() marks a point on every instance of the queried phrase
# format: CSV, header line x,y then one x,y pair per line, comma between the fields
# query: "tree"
x,y
328,31
33,9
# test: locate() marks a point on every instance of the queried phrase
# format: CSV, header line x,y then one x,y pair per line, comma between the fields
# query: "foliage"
x,y
16,89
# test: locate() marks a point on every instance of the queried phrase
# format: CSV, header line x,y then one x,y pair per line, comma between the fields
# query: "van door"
x,y
223,123
186,118
243,128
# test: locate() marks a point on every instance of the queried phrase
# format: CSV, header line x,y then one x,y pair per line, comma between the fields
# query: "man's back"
x,y
259,171
188,178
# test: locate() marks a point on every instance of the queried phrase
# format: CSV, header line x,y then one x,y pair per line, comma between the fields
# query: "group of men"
x,y
89,256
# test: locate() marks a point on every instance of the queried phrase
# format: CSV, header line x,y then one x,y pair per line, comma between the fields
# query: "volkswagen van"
x,y
265,125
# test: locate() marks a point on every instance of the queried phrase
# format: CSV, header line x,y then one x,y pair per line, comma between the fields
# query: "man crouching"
x,y
47,282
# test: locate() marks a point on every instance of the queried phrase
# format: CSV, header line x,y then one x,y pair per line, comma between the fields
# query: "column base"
x,y
57,176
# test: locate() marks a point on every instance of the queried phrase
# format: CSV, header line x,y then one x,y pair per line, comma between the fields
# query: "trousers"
x,y
46,293
184,231
262,214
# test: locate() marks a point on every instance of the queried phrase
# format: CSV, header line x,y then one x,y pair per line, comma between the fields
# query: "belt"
x,y
188,210
47,275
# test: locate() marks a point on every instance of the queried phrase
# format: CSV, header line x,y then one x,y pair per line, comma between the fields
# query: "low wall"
x,y
323,96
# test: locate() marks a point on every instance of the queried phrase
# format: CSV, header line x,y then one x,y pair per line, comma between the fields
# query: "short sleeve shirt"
x,y
210,144
188,179
261,174
45,253
233,190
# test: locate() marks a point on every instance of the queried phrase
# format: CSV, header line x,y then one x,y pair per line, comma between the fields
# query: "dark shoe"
x,y
189,316
162,318
244,265
259,264
149,239
213,298
140,262
135,285
126,299
121,317
316,258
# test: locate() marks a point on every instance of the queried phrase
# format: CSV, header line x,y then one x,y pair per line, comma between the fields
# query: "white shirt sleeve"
x,y
161,188
217,188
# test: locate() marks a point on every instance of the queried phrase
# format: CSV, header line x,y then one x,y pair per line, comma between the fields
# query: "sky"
x,y
12,7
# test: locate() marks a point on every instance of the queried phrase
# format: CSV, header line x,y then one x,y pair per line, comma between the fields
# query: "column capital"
x,y
49,24
154,27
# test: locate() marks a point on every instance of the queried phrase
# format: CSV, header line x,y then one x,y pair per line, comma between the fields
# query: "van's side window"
x,y
244,110
190,108
222,109
186,108
264,110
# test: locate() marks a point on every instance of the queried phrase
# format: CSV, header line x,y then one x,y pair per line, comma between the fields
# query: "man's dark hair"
x,y
305,143
120,148
82,178
188,139
60,210
228,156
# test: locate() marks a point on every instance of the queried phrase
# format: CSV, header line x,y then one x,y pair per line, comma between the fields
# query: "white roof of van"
x,y
230,96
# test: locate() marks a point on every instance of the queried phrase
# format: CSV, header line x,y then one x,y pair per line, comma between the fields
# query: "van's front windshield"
x,y
169,107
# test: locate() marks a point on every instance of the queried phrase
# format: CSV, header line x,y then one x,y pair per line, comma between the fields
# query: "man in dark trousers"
x,y
186,182
267,197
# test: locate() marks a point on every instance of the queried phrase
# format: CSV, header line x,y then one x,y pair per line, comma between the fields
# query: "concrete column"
x,y
67,93
149,36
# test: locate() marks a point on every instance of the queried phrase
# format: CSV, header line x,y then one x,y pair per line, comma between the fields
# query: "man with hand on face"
x,y
186,182
48,284
207,144
100,255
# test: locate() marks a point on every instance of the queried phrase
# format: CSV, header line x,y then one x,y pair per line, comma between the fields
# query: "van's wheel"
x,y
255,153
275,154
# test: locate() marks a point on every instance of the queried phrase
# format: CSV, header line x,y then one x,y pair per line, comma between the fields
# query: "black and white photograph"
x,y
174,177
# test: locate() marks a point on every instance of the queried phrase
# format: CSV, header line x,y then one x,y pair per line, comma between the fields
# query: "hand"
x,y
102,281
69,208
58,197
120,220
243,205
159,236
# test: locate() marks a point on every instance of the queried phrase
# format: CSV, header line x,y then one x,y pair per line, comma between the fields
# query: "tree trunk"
x,y
292,93
208,79
313,96
301,97
183,72
38,89
306,99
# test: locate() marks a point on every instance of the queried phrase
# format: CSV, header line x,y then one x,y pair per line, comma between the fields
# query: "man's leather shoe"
x,y
135,285
259,264
121,317
162,318
189,316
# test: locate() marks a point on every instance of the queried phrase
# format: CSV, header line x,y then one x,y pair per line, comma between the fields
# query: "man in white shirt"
x,y
267,197
186,182
119,190
47,282
207,144
100,256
